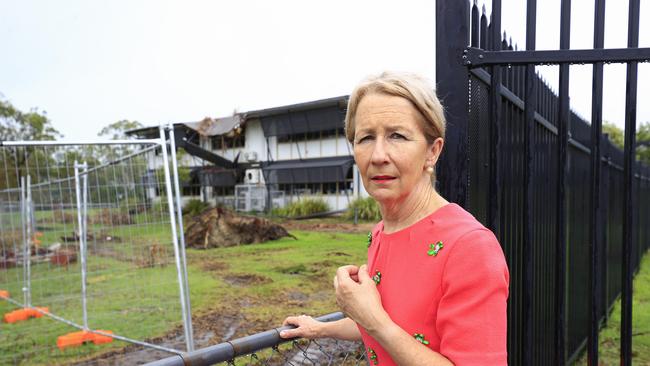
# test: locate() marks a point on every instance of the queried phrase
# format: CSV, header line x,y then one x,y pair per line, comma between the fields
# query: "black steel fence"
x,y
573,224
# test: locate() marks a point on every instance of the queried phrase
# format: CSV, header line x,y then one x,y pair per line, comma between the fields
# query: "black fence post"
x,y
628,180
494,108
564,119
604,222
452,37
529,126
596,212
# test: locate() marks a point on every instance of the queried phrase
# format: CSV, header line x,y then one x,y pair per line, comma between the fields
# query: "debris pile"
x,y
218,227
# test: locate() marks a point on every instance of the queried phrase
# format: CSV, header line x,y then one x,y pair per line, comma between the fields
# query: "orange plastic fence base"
x,y
4,294
24,314
76,339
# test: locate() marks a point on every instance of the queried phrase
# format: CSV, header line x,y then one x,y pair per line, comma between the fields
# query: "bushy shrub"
x,y
367,209
194,207
159,208
303,207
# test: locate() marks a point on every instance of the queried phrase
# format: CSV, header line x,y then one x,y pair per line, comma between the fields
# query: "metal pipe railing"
x,y
226,351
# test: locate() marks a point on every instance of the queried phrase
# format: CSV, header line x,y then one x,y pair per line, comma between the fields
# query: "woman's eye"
x,y
364,139
397,136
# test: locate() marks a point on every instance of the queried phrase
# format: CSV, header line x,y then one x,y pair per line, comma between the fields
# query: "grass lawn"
x,y
257,285
609,339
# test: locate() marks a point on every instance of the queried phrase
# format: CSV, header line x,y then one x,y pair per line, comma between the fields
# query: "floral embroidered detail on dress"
x,y
369,239
373,356
377,277
435,248
420,338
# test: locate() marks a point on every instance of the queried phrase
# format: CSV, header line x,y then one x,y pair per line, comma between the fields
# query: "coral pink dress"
x,y
444,280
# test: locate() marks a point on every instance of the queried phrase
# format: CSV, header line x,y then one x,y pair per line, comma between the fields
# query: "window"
x,y
310,136
223,142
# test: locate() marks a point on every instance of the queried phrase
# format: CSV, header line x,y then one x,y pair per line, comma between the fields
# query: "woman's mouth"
x,y
382,178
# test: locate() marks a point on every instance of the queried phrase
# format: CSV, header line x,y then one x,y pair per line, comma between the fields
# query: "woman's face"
x,y
390,148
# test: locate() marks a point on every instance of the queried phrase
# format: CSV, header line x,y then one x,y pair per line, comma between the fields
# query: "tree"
x,y
643,142
16,125
617,136
117,130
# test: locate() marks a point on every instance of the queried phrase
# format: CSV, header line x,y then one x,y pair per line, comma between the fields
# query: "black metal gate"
x,y
570,209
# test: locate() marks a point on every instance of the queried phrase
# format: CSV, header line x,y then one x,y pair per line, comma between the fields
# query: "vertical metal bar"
x,y
172,221
179,217
84,231
23,217
452,37
30,233
564,119
27,254
475,25
628,166
82,244
529,125
605,218
484,29
595,269
494,108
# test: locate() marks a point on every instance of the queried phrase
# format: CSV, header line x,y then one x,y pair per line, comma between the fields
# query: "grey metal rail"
x,y
241,346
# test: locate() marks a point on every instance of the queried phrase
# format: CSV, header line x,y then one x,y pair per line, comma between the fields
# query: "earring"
x,y
430,169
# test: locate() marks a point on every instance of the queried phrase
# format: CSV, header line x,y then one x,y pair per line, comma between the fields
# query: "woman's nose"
x,y
379,152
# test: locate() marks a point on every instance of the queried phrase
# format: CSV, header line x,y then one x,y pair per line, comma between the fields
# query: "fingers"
x,y
291,320
345,274
363,274
305,327
290,333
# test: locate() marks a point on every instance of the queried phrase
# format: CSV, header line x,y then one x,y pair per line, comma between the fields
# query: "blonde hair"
x,y
414,88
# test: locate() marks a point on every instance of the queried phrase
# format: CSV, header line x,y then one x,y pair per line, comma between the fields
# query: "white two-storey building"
x,y
268,158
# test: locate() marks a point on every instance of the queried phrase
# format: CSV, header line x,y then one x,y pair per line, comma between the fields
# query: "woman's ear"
x,y
435,150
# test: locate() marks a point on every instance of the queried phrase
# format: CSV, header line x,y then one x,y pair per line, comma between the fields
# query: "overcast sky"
x,y
91,63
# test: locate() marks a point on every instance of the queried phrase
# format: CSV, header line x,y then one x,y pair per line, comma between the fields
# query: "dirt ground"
x,y
327,226
228,322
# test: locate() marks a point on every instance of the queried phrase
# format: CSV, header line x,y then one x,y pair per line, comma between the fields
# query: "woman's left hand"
x,y
358,298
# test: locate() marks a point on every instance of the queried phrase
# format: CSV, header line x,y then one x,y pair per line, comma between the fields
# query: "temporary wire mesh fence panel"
x,y
256,350
306,352
86,237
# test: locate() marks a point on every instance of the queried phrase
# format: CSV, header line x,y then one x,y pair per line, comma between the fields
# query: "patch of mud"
x,y
338,254
334,227
246,279
214,266
211,328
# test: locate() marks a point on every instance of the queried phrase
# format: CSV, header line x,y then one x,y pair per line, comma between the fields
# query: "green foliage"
x,y
183,175
303,207
367,209
643,142
195,207
617,136
17,125
615,133
610,335
117,131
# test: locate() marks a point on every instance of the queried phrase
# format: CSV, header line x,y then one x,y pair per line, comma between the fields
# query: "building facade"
x,y
263,159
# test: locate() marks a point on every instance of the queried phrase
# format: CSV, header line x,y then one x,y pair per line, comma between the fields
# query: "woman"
x,y
435,287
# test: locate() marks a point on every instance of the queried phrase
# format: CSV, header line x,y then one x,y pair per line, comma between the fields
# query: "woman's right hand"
x,y
306,327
